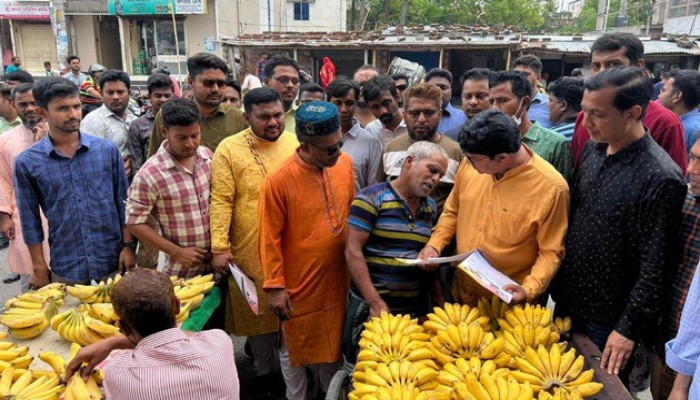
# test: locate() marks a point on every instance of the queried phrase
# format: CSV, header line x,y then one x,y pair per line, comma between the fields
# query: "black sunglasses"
x,y
333,149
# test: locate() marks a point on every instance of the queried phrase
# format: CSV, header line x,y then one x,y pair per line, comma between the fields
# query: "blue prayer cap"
x,y
317,118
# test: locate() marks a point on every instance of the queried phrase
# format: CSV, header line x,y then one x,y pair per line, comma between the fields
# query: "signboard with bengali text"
x,y
156,7
24,10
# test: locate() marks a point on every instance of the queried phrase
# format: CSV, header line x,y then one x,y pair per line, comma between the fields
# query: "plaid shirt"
x,y
690,239
179,201
83,200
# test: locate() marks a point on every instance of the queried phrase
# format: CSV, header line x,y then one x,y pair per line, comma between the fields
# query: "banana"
x,y
6,381
100,327
93,389
198,280
55,361
24,321
58,318
22,382
79,388
30,332
22,362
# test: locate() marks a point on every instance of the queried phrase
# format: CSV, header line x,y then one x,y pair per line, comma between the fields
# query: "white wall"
x,y
324,16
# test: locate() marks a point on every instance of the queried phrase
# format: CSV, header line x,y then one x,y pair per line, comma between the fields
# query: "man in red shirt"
x,y
623,50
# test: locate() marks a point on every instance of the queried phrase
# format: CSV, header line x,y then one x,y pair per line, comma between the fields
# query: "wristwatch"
x,y
131,245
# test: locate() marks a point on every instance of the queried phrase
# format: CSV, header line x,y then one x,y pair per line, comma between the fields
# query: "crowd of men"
x,y
584,191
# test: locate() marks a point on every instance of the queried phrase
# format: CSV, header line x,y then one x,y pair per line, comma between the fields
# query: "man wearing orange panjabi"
x,y
239,167
13,142
303,214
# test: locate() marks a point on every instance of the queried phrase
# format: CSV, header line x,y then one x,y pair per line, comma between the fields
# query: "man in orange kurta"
x,y
303,213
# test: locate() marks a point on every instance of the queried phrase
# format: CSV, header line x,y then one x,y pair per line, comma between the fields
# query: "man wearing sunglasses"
x,y
282,75
207,78
423,113
508,203
303,218
401,81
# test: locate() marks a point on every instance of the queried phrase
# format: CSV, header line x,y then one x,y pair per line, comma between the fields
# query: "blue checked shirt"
x,y
83,199
683,352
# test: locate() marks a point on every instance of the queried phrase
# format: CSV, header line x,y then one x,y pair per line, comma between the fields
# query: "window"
x,y
301,11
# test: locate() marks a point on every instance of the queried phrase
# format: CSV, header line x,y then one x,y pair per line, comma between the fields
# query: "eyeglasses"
x,y
427,113
332,149
475,160
208,83
285,80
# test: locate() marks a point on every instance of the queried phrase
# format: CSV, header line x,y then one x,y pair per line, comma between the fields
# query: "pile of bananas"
x,y
191,291
391,338
83,390
102,311
76,327
465,342
27,315
489,352
102,293
454,314
549,370
26,387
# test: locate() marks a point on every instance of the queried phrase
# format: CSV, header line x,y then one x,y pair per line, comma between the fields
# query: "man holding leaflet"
x,y
508,203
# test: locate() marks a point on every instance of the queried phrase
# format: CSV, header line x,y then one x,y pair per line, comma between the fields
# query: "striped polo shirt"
x,y
394,233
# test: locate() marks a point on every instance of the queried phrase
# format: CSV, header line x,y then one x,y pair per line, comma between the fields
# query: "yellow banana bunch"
x,y
78,389
390,338
57,363
455,314
398,374
524,336
102,311
495,309
528,314
102,293
488,387
29,322
547,370
76,327
453,373
185,308
465,342
199,280
194,289
563,325
25,387
396,392
560,394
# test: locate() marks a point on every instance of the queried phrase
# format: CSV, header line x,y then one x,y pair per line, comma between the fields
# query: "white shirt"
x,y
104,124
386,135
250,82
365,149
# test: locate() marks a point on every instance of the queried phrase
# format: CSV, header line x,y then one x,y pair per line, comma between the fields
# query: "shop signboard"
x,y
155,7
24,10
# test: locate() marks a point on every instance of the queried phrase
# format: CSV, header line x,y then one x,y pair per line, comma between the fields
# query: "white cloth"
x,y
104,124
295,377
386,135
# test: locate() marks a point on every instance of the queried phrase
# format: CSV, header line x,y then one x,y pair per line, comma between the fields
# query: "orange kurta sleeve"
x,y
550,238
272,216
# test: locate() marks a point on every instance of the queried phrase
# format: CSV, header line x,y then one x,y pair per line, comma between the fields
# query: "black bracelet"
x,y
131,245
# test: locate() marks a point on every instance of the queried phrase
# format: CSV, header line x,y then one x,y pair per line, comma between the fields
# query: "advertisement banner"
x,y
24,10
151,7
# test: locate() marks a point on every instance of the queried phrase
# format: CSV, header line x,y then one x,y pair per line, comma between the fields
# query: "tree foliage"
x,y
526,14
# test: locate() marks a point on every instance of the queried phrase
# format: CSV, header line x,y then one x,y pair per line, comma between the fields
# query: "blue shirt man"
x,y
79,183
539,110
681,94
452,118
691,126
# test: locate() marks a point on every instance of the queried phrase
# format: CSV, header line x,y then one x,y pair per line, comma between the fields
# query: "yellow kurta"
x,y
518,222
303,229
238,169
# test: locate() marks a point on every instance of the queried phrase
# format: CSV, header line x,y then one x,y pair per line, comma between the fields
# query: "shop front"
x,y
25,31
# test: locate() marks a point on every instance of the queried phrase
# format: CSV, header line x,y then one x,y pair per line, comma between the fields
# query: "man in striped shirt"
x,y
390,220
565,96
166,363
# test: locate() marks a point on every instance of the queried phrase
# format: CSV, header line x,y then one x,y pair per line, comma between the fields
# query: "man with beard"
x,y
174,187
240,165
382,98
13,142
364,148
361,76
303,219
207,78
509,204
282,75
475,97
79,182
74,75
451,117
423,109
388,221
111,121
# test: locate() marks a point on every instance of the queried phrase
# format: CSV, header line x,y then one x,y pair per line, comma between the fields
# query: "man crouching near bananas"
x,y
166,363
390,220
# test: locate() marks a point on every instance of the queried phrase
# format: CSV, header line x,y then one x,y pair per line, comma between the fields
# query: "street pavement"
x,y
245,366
